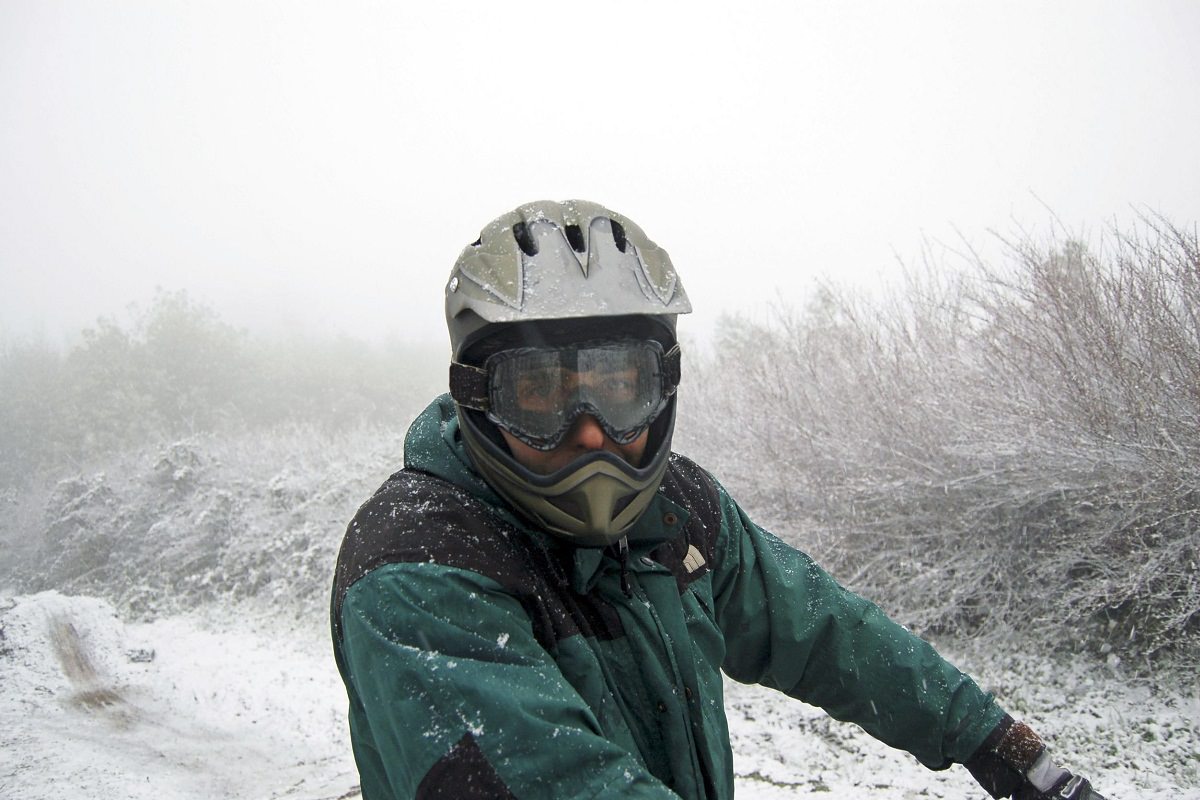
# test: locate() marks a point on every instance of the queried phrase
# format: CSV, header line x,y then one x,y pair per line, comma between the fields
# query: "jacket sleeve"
x,y
452,696
790,626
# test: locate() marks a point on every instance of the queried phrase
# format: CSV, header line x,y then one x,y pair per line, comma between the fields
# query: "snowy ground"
x,y
182,707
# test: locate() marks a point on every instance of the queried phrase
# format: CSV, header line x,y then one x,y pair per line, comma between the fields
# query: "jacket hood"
x,y
434,444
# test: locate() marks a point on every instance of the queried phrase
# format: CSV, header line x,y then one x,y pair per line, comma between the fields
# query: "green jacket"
x,y
485,659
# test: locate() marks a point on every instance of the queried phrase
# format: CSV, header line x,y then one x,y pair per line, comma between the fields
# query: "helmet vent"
x,y
618,233
525,240
575,237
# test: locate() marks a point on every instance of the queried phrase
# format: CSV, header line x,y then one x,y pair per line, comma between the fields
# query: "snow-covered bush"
x,y
1011,448
256,517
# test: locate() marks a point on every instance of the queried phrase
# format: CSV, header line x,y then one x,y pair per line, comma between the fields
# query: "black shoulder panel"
x,y
417,517
688,485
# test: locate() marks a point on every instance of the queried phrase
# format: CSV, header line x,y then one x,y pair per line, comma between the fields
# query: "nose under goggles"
x,y
537,393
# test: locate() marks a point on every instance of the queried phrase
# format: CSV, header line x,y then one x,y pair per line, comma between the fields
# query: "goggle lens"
x,y
537,393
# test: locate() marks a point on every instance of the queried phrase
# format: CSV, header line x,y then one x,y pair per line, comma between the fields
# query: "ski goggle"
x,y
537,393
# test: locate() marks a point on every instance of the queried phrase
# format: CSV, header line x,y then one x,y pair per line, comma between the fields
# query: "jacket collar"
x,y
662,522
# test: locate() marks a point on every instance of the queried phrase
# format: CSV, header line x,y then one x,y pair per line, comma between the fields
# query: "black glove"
x,y
1014,762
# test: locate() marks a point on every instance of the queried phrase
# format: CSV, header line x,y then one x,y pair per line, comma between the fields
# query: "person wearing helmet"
x,y
542,602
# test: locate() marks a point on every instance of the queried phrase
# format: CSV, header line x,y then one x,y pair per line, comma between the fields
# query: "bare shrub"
x,y
1011,447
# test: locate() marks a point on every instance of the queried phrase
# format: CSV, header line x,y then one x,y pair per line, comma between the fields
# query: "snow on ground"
x,y
177,708
202,706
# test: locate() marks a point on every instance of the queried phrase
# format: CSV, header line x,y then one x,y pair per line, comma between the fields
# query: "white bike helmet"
x,y
556,281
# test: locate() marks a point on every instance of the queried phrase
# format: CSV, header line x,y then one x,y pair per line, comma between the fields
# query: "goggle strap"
x,y
469,386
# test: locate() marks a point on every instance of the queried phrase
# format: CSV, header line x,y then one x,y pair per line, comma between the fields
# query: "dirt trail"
x,y
93,692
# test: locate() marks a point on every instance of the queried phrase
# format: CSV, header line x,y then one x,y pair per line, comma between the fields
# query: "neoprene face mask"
x,y
536,394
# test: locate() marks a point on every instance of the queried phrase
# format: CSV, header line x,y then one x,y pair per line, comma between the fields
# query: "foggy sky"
x,y
320,165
